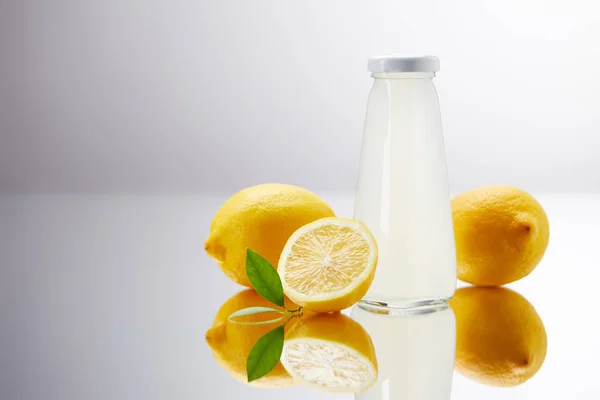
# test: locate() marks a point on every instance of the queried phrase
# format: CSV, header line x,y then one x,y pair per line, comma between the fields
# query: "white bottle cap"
x,y
394,63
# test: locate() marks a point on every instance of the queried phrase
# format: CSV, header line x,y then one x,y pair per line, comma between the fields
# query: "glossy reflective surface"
x,y
112,297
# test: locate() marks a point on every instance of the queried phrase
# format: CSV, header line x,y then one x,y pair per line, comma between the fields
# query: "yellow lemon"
x,y
329,264
261,218
500,338
501,235
231,343
330,352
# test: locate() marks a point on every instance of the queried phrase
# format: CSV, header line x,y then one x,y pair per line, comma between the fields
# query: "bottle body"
x,y
402,193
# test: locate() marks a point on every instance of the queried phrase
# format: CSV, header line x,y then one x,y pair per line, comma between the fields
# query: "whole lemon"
x,y
501,235
500,338
231,343
261,218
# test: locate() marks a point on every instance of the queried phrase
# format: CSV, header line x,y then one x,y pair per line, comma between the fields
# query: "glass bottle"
x,y
402,193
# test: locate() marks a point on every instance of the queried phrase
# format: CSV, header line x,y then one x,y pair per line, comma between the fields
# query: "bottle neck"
x,y
403,75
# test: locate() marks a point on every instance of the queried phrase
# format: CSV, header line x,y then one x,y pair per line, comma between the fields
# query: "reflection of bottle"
x,y
415,351
402,193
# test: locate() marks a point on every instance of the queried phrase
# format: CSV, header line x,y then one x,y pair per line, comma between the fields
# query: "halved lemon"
x,y
330,352
328,265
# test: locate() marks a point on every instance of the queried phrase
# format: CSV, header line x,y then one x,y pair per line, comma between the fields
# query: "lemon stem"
x,y
298,311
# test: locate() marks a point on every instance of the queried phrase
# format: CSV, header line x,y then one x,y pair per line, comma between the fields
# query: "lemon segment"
x,y
328,265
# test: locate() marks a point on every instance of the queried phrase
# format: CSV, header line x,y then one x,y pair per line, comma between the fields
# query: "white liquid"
x,y
402,193
415,354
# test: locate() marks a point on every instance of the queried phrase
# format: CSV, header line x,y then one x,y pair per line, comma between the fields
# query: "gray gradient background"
x,y
211,96
125,124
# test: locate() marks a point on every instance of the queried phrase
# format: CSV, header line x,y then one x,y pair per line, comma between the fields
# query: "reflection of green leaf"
x,y
255,310
265,354
264,278
270,321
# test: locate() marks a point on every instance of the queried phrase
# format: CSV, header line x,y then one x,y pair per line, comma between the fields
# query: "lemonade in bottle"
x,y
402,193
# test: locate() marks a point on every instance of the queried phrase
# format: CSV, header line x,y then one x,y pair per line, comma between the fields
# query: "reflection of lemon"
x,y
261,218
501,235
328,265
231,343
330,352
500,338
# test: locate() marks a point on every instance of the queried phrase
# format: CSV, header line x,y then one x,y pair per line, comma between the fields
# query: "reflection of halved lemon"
x,y
330,352
231,343
329,264
500,338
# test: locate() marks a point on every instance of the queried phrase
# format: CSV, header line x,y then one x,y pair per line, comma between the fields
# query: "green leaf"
x,y
264,278
265,354
252,311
